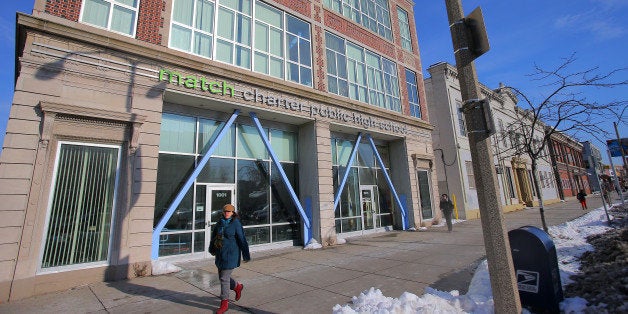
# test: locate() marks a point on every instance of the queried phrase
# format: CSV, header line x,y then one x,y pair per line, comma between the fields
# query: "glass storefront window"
x,y
240,161
283,209
250,144
218,170
253,186
208,131
284,144
172,170
177,133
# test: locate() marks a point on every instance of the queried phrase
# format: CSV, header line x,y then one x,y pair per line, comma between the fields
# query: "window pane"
x,y
203,45
243,6
261,37
284,145
172,171
243,30
96,12
298,27
253,187
224,51
304,49
123,20
204,15
80,213
174,244
282,204
261,63
276,67
268,14
250,144
131,3
276,42
243,57
226,21
293,72
306,76
180,38
182,11
218,170
343,151
208,132
177,133
293,48
425,194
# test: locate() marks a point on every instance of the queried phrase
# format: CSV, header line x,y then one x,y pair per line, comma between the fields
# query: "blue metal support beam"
x,y
404,220
347,170
164,219
307,232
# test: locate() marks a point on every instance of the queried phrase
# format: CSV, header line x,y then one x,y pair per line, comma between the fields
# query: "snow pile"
x,y
161,268
569,239
312,245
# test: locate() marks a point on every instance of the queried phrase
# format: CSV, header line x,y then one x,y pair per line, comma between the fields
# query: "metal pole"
x,y
617,186
498,254
623,154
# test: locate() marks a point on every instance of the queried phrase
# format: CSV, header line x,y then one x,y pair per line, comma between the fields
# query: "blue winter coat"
x,y
234,244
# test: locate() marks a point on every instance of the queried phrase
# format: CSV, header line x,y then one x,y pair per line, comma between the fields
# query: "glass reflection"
x,y
253,192
283,207
218,170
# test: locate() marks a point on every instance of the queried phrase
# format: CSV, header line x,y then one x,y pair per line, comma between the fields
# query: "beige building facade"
x,y
103,171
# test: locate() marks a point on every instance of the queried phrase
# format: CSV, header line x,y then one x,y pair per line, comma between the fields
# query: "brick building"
x,y
569,165
134,121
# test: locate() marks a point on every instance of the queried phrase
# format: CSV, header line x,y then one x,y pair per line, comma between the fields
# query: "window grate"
x,y
79,222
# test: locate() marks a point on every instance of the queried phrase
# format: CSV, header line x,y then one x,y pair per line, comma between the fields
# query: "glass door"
x,y
369,206
215,198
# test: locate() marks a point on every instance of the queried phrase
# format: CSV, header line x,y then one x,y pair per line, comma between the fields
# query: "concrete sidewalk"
x,y
294,280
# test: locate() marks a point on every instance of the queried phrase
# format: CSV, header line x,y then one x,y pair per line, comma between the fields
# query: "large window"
x,y
365,173
245,33
115,15
413,94
425,194
240,161
360,74
82,205
404,29
372,14
462,127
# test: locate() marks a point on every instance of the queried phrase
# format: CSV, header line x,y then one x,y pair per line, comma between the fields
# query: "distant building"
x,y
453,154
569,167
593,164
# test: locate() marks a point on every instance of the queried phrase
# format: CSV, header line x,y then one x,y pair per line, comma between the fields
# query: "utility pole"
x,y
498,254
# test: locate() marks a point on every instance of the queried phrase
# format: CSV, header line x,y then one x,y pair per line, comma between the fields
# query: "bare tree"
x,y
566,109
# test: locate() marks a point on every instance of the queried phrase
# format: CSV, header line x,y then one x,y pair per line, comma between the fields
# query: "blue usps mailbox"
x,y
536,267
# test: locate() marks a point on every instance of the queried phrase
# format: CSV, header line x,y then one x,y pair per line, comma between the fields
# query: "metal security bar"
x,y
80,214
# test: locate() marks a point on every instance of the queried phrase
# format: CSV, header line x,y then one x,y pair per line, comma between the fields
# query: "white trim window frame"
x,y
404,29
92,13
76,234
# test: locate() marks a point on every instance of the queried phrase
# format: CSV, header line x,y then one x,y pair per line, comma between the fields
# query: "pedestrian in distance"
x,y
582,197
228,244
448,209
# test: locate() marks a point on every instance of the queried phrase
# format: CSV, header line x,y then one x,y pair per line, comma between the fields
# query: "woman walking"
x,y
582,197
448,209
228,244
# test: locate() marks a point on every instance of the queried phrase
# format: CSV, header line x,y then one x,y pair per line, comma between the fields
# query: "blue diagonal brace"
x,y
284,178
188,184
392,188
347,170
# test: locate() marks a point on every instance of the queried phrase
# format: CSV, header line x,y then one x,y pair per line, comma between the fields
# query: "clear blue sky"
x,y
522,33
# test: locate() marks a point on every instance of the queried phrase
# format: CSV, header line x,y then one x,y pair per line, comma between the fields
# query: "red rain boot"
x,y
224,306
238,290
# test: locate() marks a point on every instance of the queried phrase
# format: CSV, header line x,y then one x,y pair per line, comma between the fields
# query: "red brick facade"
x,y
67,9
150,21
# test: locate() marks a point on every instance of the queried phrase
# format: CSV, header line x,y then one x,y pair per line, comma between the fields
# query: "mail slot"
x,y
536,267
